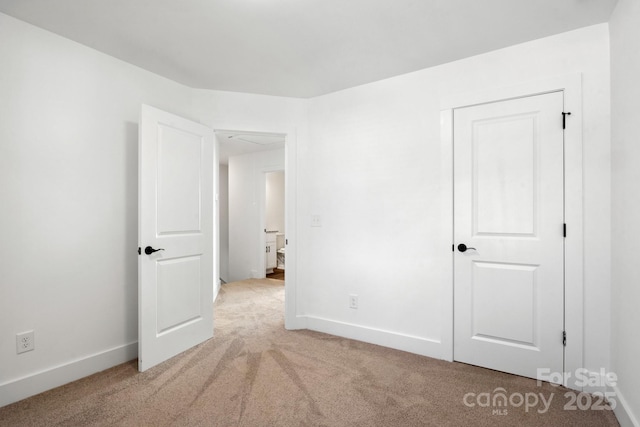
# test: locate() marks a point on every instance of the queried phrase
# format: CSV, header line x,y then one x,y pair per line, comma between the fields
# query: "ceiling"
x,y
234,143
300,48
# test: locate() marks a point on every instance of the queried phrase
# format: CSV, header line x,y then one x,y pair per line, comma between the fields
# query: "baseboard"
x,y
295,323
408,343
21,388
623,412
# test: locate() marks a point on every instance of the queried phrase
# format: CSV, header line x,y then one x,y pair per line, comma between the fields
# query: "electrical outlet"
x,y
353,301
25,342
316,221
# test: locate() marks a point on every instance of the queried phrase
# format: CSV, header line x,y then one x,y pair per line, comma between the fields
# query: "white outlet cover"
x,y
25,342
353,301
316,221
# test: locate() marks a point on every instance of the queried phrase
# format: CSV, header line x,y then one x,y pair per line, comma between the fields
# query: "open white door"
x,y
175,219
509,215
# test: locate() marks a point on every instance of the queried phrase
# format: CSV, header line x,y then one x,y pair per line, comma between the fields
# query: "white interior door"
x,y
175,289
509,212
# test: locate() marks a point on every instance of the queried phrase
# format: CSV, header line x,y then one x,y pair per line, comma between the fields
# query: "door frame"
x,y
291,319
571,85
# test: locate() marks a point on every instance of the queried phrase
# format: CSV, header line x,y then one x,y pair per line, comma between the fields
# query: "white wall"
x,y
274,209
247,211
68,173
625,124
373,172
68,168
223,209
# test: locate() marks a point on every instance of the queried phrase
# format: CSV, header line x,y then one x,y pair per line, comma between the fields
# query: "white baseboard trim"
x,y
623,412
412,344
295,323
30,385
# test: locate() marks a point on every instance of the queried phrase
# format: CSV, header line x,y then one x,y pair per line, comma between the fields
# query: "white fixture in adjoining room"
x,y
280,244
270,251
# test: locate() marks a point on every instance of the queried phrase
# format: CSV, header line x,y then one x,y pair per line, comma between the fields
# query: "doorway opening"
x,y
249,163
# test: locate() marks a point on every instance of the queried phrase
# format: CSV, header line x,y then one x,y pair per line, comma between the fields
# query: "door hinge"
x,y
564,338
564,230
564,119
139,251
453,247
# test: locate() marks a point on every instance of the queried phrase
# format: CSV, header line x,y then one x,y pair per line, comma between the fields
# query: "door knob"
x,y
149,250
463,248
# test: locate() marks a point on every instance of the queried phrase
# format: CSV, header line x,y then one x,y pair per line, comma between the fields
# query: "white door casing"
x,y
508,205
175,214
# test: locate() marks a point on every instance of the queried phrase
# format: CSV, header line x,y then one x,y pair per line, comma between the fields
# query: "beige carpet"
x,y
254,373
